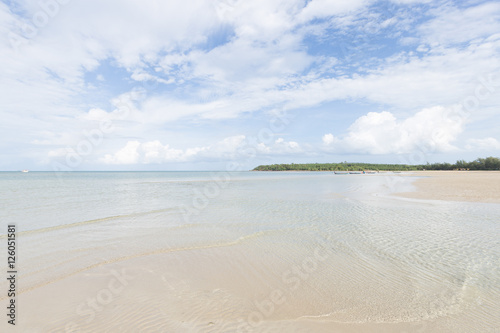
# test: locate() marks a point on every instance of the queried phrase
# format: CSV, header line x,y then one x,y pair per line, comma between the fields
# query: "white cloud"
x,y
406,82
281,146
135,152
433,129
155,152
453,25
328,139
249,71
326,8
127,155
229,148
142,76
483,144
262,20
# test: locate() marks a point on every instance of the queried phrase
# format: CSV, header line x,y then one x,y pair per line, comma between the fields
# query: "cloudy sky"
x,y
195,85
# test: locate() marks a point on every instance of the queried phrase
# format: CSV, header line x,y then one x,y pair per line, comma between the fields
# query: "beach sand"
x,y
200,291
125,275
473,186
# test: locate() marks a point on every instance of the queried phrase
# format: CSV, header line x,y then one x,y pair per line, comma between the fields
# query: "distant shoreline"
x,y
488,163
383,171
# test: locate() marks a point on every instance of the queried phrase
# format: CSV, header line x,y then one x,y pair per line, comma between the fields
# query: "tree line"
x,y
488,163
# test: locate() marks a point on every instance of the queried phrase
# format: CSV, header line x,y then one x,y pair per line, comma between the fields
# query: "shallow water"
x,y
249,252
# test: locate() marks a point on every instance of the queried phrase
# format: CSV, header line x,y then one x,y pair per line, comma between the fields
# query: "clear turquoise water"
x,y
393,260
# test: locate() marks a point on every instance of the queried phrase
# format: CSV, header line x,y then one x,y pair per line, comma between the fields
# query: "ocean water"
x,y
343,254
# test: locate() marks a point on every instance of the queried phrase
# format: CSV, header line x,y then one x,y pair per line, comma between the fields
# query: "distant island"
x,y
489,163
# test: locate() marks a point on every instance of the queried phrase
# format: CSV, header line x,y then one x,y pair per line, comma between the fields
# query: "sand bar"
x,y
474,186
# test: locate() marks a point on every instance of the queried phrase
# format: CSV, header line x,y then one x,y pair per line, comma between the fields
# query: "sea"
x,y
329,253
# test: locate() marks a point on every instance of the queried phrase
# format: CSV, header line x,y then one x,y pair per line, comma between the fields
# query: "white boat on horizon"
x,y
25,170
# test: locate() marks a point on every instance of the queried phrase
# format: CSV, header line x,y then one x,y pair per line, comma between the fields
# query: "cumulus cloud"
x,y
127,155
135,152
328,139
434,129
282,146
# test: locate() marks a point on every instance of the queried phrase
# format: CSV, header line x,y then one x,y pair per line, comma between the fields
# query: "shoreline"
x,y
468,186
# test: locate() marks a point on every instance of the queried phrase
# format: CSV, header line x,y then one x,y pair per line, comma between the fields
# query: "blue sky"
x,y
195,85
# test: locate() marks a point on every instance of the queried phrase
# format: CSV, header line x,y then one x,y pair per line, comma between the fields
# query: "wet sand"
x,y
201,291
472,186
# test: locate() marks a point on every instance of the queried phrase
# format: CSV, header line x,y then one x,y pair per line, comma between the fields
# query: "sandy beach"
x,y
473,186
272,252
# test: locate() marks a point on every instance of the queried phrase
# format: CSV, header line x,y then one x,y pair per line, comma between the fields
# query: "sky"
x,y
232,84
